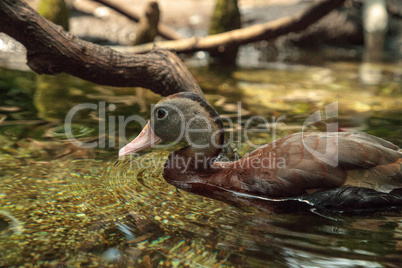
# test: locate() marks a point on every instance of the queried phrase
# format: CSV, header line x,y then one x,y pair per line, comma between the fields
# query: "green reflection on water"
x,y
73,204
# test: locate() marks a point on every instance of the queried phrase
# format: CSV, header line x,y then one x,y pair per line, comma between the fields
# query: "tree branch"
x,y
296,23
163,30
51,50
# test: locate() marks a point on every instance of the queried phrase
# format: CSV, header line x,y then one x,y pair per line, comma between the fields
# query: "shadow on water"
x,y
61,204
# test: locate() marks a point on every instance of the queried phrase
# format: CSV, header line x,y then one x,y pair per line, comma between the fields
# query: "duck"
x,y
333,169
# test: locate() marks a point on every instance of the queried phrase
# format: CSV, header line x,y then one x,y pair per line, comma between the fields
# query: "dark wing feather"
x,y
353,200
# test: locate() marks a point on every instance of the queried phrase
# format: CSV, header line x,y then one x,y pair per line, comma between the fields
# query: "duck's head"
x,y
182,117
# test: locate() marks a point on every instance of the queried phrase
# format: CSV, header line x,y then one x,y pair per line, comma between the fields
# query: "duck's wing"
x,y
334,159
302,162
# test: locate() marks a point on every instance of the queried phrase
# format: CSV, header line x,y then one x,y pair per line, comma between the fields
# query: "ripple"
x,y
77,131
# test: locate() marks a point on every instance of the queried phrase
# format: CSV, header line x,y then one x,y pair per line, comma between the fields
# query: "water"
x,y
65,205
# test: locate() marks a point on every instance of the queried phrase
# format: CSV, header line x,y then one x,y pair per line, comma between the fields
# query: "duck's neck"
x,y
196,158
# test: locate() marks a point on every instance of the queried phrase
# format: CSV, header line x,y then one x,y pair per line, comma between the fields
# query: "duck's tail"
x,y
355,200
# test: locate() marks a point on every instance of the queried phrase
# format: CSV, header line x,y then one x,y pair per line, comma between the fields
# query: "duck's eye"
x,y
161,113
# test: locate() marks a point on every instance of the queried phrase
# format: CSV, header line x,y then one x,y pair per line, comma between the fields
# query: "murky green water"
x,y
65,205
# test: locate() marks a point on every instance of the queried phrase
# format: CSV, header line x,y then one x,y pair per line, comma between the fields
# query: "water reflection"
x,y
52,99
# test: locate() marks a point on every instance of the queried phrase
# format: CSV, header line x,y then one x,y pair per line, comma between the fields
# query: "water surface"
x,y
65,205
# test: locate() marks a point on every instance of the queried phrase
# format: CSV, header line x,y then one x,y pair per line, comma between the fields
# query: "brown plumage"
x,y
292,166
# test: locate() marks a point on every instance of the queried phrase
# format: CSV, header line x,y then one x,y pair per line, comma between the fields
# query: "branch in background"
x,y
51,50
163,30
270,30
148,25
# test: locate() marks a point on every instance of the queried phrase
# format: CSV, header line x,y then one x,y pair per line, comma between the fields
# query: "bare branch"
x,y
296,23
51,50
163,30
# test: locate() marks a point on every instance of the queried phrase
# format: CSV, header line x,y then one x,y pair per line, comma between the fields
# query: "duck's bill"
x,y
146,139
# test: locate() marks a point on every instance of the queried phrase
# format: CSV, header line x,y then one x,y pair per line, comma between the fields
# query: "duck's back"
x,y
304,162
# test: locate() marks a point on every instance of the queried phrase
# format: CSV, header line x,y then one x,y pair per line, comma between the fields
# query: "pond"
x,y
64,203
